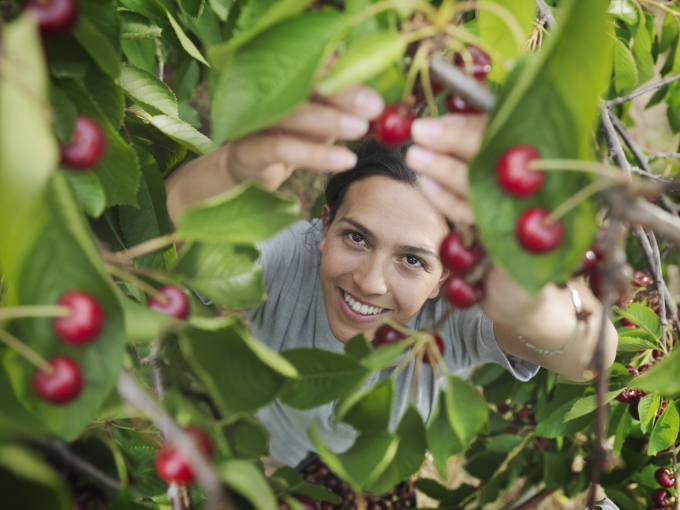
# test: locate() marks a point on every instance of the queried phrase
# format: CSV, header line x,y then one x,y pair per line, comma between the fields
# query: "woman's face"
x,y
382,252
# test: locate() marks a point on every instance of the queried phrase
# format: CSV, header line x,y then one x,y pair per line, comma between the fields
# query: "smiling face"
x,y
380,256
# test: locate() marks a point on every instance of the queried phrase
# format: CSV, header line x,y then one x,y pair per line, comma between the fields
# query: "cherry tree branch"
x,y
545,15
462,85
633,95
218,499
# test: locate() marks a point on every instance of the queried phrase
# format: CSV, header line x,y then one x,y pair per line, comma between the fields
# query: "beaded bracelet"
x,y
579,310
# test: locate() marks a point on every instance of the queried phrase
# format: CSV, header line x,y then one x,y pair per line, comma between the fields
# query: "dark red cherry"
x,y
541,443
54,17
437,85
632,370
481,63
587,264
386,334
439,342
462,294
534,235
87,145
63,385
393,127
177,304
173,466
662,498
641,279
458,257
644,367
456,104
626,396
85,322
628,324
656,354
512,173
664,477
633,408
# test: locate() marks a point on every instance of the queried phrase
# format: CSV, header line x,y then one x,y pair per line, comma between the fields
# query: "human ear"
x,y
435,292
325,216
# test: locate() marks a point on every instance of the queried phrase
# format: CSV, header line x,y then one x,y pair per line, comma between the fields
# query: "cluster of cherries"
x,y
88,143
393,126
519,417
663,498
399,498
84,324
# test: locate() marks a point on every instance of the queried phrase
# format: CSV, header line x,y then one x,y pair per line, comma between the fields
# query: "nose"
x,y
370,279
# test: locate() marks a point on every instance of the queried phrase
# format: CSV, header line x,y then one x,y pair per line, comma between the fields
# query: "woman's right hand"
x,y
304,138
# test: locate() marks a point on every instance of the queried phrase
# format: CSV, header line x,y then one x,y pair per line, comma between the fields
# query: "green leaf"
x,y
625,70
556,470
442,440
358,347
669,33
390,84
192,7
98,46
555,426
504,443
90,192
466,409
586,405
240,373
483,464
245,479
365,58
144,324
384,356
673,110
632,340
184,40
143,87
179,131
502,32
371,409
65,257
221,8
141,53
662,377
271,75
245,214
647,408
562,88
642,52
136,26
665,431
15,420
643,317
226,273
625,10
324,376
107,93
119,170
317,493
658,96
64,114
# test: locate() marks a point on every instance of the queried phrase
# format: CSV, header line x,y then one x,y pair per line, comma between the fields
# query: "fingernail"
x,y
352,127
426,129
429,186
369,103
342,159
418,157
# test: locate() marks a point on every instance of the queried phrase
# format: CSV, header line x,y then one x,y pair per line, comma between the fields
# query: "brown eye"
x,y
357,238
413,260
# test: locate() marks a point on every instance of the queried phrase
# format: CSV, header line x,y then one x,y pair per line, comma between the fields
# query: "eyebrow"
x,y
368,233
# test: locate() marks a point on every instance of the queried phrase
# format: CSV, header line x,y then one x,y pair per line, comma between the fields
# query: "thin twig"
x,y
653,86
658,278
654,155
218,499
534,501
462,85
545,15
675,477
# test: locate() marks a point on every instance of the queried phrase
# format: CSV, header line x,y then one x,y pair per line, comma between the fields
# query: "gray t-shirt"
x,y
294,316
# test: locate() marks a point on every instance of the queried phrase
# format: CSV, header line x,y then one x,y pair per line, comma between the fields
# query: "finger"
x,y
322,121
453,207
458,135
358,100
447,171
260,150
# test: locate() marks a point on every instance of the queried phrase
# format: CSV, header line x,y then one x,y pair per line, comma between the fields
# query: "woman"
x,y
374,256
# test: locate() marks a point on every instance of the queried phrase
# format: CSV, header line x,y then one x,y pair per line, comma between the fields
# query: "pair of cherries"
x,y
174,467
387,335
663,498
83,325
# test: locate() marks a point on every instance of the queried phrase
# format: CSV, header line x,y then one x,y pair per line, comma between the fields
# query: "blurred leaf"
x,y
625,70
647,408
504,443
136,26
98,46
442,440
633,340
245,479
383,356
89,190
642,52
662,377
556,470
184,40
143,87
370,409
358,347
64,114
466,409
144,324
665,431
141,53
192,7
625,10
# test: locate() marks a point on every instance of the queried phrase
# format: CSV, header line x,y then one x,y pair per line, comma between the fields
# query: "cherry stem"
x,y
418,60
359,497
145,287
661,6
468,38
417,35
427,87
18,312
150,246
26,352
577,165
500,11
416,372
387,5
575,200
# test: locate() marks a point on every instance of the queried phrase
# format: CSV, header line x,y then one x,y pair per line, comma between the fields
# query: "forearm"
x,y
550,325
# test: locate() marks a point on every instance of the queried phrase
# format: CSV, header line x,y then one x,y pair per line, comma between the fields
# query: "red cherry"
x,y
437,85
457,257
512,173
587,264
63,385
173,466
664,477
393,127
481,63
632,370
641,279
460,293
456,104
626,396
662,498
54,17
534,235
628,324
440,346
541,443
633,408
177,304
644,367
386,335
656,354
87,145
85,322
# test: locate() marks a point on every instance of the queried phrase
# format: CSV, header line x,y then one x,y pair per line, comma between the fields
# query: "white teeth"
x,y
356,306
347,297
361,308
370,310
364,309
351,301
